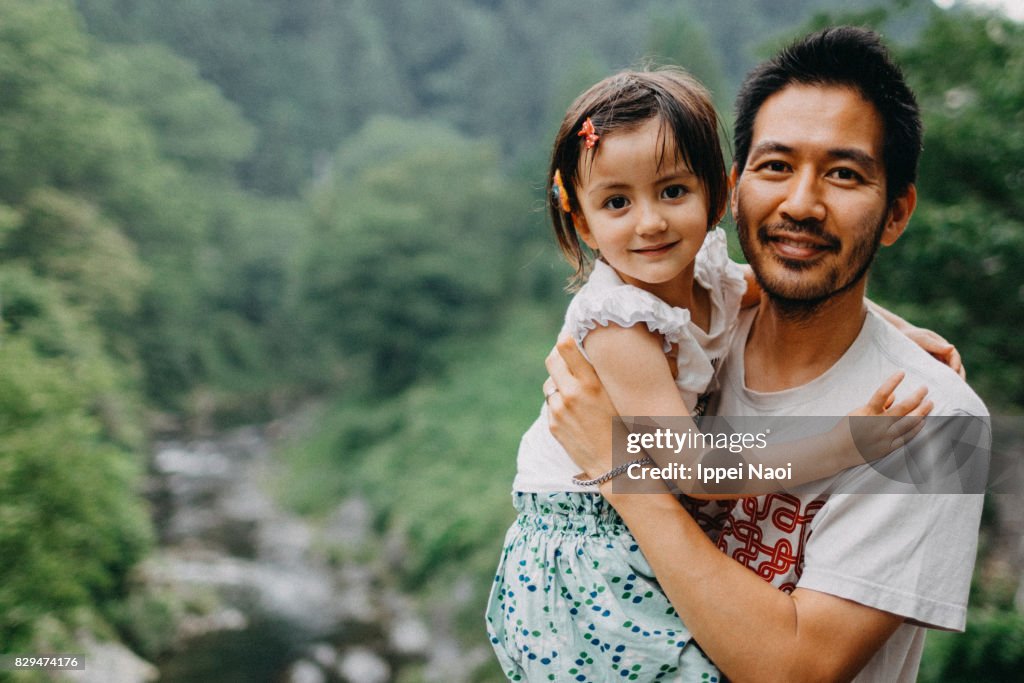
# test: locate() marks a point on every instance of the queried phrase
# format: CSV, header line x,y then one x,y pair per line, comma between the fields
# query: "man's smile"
x,y
797,244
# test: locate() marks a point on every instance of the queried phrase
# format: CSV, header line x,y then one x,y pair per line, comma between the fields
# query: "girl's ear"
x,y
583,230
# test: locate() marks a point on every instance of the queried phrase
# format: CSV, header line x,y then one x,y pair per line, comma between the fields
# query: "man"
x,y
827,141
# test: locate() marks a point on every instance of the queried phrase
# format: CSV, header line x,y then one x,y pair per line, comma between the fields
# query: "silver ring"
x,y
549,394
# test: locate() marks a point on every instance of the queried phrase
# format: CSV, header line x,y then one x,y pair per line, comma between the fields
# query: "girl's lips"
x,y
657,249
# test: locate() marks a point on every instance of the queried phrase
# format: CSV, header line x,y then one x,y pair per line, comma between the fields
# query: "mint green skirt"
x,y
574,599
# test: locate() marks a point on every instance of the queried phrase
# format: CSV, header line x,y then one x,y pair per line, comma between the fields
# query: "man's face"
x,y
810,204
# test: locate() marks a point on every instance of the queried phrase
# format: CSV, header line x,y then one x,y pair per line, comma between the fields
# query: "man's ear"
x,y
734,178
899,215
583,230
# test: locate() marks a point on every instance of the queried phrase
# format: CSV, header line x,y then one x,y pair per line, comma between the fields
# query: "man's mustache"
x,y
811,227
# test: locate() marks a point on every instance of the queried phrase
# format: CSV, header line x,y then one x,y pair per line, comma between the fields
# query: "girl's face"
x,y
647,220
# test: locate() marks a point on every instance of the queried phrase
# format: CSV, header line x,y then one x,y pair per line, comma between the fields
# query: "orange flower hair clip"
x,y
589,134
558,189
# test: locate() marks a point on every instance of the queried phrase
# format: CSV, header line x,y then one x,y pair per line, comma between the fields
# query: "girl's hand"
x,y
932,342
937,346
882,425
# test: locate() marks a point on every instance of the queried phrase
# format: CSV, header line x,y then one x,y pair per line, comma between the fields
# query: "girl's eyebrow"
x,y
682,173
605,187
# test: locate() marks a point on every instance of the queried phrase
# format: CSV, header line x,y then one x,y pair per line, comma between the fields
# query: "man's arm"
x,y
751,630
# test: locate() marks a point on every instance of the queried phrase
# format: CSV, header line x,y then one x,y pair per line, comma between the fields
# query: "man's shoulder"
x,y
950,393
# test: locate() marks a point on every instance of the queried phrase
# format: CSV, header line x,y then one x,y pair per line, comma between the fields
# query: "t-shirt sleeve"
x,y
627,306
911,554
908,554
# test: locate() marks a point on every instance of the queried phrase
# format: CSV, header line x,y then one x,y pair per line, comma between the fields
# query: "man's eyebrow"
x,y
855,155
850,153
769,147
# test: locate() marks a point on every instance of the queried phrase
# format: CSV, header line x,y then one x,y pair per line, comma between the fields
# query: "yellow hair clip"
x,y
558,189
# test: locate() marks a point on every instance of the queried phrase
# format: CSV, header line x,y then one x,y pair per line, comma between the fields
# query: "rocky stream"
x,y
268,595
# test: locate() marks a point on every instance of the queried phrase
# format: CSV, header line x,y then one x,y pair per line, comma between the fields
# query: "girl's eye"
x,y
674,192
617,203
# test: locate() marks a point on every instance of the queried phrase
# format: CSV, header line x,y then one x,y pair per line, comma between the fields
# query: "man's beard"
x,y
801,299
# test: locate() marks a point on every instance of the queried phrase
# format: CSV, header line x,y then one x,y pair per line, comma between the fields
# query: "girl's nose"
x,y
651,222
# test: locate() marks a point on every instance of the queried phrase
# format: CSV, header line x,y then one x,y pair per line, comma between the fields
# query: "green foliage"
x,y
71,525
436,461
416,241
955,269
992,649
190,119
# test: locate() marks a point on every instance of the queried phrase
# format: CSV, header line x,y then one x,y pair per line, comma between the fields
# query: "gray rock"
x,y
111,662
361,665
304,671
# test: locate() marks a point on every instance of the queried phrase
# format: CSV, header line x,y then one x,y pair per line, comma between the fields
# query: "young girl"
x,y
638,176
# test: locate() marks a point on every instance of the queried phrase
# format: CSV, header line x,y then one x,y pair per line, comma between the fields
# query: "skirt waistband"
x,y
565,510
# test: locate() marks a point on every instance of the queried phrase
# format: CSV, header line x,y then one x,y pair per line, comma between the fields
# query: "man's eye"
x,y
617,203
674,192
845,174
774,166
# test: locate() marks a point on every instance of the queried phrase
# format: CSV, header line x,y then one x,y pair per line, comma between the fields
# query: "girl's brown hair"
x,y
624,101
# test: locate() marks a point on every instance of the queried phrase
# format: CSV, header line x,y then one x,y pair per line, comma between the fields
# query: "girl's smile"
x,y
643,210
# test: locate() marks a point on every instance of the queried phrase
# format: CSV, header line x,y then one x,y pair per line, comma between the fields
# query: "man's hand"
x,y
580,410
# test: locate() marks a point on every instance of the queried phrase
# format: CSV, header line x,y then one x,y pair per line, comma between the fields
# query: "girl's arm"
x,y
930,341
636,375
752,295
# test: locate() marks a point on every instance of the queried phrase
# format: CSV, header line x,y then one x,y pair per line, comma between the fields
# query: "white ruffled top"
x,y
542,464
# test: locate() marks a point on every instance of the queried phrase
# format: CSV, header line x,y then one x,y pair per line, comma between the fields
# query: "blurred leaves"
x,y
957,267
416,234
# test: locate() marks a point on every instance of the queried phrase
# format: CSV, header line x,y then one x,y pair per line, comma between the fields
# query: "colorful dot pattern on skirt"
x,y
574,599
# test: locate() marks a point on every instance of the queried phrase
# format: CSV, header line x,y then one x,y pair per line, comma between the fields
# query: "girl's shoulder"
x,y
606,300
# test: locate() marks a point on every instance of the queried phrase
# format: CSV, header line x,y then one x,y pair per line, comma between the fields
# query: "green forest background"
x,y
215,211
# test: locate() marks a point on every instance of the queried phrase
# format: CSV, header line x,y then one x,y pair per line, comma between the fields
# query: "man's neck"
x,y
784,351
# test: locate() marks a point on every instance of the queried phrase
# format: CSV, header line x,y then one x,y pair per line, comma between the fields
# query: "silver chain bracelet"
x,y
612,473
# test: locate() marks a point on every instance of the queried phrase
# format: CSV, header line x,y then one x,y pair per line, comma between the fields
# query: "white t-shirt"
x,y
910,554
542,464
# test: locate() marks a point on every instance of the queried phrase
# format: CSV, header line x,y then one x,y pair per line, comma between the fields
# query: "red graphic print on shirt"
x,y
767,535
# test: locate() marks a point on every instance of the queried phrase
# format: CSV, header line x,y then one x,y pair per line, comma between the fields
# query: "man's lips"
x,y
800,245
655,249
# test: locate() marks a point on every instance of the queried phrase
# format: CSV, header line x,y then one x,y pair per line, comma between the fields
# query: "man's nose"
x,y
804,197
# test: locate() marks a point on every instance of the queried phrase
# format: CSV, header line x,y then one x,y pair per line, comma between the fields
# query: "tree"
x,y
954,269
417,233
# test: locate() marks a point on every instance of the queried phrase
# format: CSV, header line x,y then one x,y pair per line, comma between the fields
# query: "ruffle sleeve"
x,y
722,278
625,306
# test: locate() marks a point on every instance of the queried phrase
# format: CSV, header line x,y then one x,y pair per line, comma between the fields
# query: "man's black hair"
x,y
845,56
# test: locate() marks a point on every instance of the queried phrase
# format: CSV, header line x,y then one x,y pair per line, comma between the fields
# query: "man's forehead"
x,y
830,116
